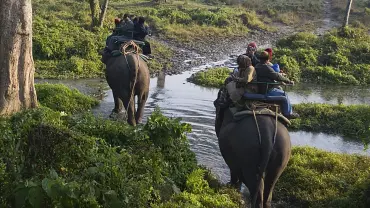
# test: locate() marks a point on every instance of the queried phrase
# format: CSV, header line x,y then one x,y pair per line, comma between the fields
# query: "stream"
x,y
194,104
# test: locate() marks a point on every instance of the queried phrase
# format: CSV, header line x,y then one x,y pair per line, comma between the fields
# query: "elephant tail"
x,y
136,67
266,147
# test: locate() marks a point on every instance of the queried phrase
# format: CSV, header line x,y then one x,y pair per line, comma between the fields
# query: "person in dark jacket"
x,y
141,31
266,74
251,53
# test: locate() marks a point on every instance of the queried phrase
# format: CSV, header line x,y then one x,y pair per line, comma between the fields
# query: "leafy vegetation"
x,y
214,77
360,12
49,159
315,178
339,57
351,121
60,98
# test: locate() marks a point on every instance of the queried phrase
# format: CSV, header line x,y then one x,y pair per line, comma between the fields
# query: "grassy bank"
x,y
66,47
360,12
315,178
339,57
351,121
52,159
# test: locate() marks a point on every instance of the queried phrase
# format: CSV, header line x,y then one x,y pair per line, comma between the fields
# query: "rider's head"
x,y
125,16
269,51
135,20
251,48
141,20
264,57
243,61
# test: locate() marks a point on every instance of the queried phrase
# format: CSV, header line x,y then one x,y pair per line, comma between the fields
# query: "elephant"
x,y
128,76
247,146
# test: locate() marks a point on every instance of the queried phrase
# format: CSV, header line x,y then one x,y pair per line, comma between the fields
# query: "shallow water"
x,y
178,98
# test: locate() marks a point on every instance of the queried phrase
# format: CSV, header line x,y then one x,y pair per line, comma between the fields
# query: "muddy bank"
x,y
192,54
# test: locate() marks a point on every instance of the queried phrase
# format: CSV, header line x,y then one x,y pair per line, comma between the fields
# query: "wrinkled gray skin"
x,y
121,78
242,152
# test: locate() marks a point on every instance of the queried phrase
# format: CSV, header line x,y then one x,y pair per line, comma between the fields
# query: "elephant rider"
x,y
141,31
265,73
240,85
126,26
251,50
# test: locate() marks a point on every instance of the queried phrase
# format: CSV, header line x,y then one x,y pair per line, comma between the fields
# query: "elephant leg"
x,y
118,104
274,171
141,105
250,179
235,181
131,112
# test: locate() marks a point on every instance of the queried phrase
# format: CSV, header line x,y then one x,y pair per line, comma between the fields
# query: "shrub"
x,y
54,160
350,121
290,66
214,77
315,178
60,98
338,57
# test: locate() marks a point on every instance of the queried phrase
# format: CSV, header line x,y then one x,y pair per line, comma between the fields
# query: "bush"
x,y
214,77
339,57
315,178
199,194
290,66
350,121
60,98
48,159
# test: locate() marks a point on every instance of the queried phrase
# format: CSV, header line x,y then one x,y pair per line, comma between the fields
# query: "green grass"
x,y
351,121
52,160
339,57
60,98
315,178
214,77
359,16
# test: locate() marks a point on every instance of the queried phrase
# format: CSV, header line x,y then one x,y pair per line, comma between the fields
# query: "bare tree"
x,y
103,13
348,10
17,90
94,9
98,13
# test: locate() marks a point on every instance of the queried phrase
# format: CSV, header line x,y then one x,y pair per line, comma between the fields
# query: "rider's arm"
x,y
276,76
247,75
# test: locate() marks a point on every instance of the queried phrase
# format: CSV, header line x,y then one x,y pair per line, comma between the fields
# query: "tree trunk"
x,y
348,10
103,13
94,7
17,90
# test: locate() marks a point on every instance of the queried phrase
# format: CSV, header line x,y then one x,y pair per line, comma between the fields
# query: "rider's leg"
x,y
286,107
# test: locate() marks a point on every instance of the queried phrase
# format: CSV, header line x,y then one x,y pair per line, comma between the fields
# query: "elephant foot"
x,y
237,185
120,116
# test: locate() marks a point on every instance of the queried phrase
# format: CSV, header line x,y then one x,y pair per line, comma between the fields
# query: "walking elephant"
x,y
128,76
251,154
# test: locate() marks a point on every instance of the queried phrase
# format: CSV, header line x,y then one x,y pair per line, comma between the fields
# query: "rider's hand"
x,y
292,82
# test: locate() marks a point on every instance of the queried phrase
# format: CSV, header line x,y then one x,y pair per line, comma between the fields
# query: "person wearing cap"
x,y
269,51
265,73
251,50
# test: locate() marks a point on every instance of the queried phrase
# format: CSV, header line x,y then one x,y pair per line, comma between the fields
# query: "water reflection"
x,y
178,98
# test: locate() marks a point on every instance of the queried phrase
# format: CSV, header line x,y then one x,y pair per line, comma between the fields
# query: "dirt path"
x,y
188,55
328,21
